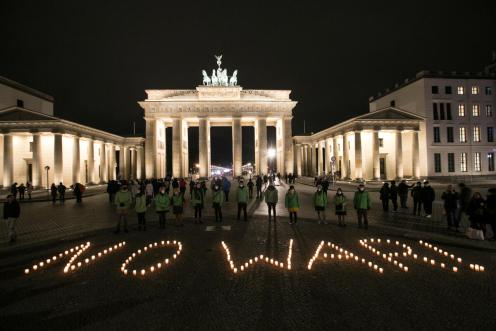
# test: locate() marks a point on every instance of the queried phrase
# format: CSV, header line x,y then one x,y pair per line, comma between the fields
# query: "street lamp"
x,y
46,169
271,154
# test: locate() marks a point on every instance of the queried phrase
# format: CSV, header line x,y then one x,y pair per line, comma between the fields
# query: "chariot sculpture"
x,y
220,77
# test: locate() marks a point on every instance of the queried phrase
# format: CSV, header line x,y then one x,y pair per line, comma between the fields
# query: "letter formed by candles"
x,y
392,257
340,255
156,267
258,259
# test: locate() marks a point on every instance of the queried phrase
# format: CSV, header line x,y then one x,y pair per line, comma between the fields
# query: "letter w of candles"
x,y
258,259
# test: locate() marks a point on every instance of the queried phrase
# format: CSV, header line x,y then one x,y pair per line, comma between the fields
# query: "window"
x,y
449,134
30,146
435,89
447,90
448,111
437,162
489,90
381,142
477,162
437,135
461,110
463,135
475,90
490,161
463,162
451,162
489,110
441,110
477,137
434,111
490,134
20,103
392,103
460,90
475,110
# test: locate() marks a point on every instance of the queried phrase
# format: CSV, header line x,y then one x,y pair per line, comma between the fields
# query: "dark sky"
x,y
97,58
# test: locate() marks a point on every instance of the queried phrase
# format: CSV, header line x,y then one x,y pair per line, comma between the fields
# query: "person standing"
x,y
292,203
178,206
182,186
21,189
226,187
476,210
191,188
162,203
258,184
403,193
61,190
29,189
250,188
149,192
490,215
320,204
450,198
11,212
197,200
361,203
271,199
384,196
53,192
123,200
393,194
13,190
242,200
464,196
428,197
217,201
340,207
416,194
140,206
78,191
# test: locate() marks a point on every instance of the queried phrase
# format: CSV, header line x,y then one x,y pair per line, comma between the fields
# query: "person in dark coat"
x,y
416,194
13,190
428,197
403,193
476,210
78,192
450,198
61,190
393,194
490,215
22,190
11,212
258,184
384,196
53,192
464,196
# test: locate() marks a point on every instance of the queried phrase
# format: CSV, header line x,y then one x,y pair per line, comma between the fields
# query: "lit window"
x,y
460,90
463,135
489,110
490,161
477,137
463,162
475,110
477,162
461,110
475,90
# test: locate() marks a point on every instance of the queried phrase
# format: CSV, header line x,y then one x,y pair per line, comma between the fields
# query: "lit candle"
x,y
26,271
142,272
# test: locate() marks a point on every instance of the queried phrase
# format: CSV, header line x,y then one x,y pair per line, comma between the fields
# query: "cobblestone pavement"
x,y
198,291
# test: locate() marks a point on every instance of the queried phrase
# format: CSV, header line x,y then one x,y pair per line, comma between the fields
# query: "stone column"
x,y
298,151
313,162
91,161
203,148
346,157
415,155
358,155
185,148
237,144
262,145
8,161
305,160
139,162
127,163
112,162
76,161
375,155
177,155
103,163
132,163
160,150
399,154
328,155
151,148
58,159
279,146
320,167
37,165
288,146
335,153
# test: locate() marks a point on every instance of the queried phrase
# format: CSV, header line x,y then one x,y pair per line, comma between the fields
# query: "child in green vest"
x,y
197,197
242,199
140,207
340,206
217,201
292,203
320,204
162,203
177,206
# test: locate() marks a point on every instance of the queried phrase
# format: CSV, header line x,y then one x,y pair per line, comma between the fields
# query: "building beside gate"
x,y
39,148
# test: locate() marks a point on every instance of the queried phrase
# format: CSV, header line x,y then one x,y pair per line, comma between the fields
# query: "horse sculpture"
x,y
234,78
215,80
206,79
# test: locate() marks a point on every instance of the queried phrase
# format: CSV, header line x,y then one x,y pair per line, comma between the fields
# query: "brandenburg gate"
x,y
220,101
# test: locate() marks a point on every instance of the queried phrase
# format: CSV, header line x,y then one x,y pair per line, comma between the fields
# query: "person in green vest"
x,y
361,203
340,206
320,204
217,201
122,202
140,207
197,199
162,203
177,206
292,203
271,199
242,199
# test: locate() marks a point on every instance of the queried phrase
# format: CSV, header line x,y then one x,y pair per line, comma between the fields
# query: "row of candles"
x,y
156,266
257,259
40,265
340,254
427,245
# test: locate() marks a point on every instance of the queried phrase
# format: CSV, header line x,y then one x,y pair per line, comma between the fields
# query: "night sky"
x,y
97,58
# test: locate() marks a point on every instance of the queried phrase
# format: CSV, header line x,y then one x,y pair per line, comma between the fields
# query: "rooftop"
x,y
26,89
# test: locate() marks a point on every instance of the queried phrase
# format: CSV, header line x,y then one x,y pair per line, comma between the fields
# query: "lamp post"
x,y
46,169
271,154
